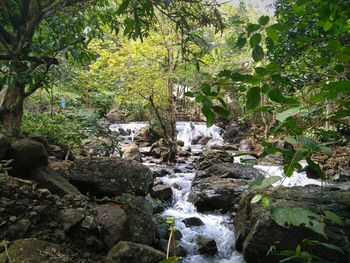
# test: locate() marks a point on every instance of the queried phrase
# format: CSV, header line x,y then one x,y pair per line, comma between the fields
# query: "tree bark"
x,y
12,110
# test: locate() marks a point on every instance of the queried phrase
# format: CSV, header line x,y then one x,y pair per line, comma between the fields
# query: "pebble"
x,y
12,218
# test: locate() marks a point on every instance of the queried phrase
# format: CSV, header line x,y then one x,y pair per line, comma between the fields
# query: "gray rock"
x,y
162,192
192,221
110,176
206,246
129,252
27,155
132,152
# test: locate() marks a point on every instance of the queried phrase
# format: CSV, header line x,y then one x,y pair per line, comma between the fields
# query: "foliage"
x,y
67,128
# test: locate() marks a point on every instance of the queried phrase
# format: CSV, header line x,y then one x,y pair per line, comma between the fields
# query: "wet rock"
x,y
250,145
94,244
161,172
192,221
114,222
98,146
208,158
4,145
147,136
163,232
162,192
140,218
130,252
196,139
32,250
132,152
206,246
110,176
220,186
180,143
233,134
256,231
344,175
27,155
204,140
54,182
184,153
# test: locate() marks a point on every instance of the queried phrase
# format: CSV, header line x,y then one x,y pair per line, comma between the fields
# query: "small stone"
x,y
12,218
33,213
192,221
44,192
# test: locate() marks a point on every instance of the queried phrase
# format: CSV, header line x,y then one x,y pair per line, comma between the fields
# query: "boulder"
x,y
147,136
140,218
196,139
132,152
208,158
219,144
204,140
206,246
110,176
32,250
162,192
129,252
98,146
114,222
180,251
192,221
256,231
221,185
4,145
232,134
50,179
27,155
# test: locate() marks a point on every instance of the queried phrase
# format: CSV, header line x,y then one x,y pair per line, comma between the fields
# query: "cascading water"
x,y
216,226
186,131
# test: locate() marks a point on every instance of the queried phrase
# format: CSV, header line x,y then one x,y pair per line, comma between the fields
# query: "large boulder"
x,y
129,252
140,218
162,192
98,146
110,176
132,152
208,158
27,154
220,186
4,145
256,231
114,222
50,179
206,246
32,250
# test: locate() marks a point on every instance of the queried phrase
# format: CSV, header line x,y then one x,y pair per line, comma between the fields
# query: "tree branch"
x,y
39,83
40,60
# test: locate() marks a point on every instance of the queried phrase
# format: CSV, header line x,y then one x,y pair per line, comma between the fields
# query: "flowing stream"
x,y
216,226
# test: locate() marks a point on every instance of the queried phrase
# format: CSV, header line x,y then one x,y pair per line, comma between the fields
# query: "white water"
x,y
216,226
186,131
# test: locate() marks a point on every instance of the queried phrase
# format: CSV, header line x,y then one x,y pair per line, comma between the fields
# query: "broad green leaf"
x,y
258,53
333,217
241,42
263,20
276,95
256,199
327,25
272,33
260,183
255,40
253,98
252,27
326,150
316,168
326,245
210,116
206,89
221,111
282,116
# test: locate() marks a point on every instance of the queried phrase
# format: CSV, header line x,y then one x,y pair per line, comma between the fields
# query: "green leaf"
x,y
189,94
326,150
221,111
333,217
252,27
316,168
255,40
241,42
327,25
256,199
326,245
260,183
265,201
171,260
258,53
263,20
253,98
206,89
282,116
210,116
123,6
276,95
272,33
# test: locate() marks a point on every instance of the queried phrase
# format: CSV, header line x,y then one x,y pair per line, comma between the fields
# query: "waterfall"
x,y
186,131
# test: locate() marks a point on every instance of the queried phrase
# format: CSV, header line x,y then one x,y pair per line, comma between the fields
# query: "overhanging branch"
x,y
40,60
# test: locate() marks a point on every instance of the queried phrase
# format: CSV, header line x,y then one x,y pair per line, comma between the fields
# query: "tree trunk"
x,y
172,99
12,110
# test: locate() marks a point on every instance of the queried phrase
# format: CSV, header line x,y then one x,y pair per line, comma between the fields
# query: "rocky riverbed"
x,y
102,208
